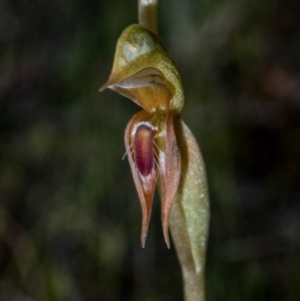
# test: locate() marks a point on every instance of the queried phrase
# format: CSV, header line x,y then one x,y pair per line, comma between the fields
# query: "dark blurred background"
x,y
69,213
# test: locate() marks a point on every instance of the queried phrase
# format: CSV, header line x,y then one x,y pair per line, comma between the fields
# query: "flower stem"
x,y
147,13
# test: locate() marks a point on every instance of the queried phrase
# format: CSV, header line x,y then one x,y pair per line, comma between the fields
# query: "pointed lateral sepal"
x,y
190,215
169,166
139,143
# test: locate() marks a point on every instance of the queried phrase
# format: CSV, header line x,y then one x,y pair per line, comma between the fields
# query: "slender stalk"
x,y
147,12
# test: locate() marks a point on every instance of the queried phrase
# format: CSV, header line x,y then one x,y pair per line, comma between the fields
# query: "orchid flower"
x,y
150,138
161,149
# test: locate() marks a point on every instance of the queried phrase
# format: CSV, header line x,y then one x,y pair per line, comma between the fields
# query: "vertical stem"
x,y
147,12
193,282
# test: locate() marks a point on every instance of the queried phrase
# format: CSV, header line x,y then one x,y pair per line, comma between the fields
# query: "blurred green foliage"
x,y
69,213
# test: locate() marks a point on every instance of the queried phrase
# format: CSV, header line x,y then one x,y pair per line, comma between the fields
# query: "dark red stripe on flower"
x,y
143,147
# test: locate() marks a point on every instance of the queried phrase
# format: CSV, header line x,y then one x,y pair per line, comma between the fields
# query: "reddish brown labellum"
x,y
143,148
152,150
